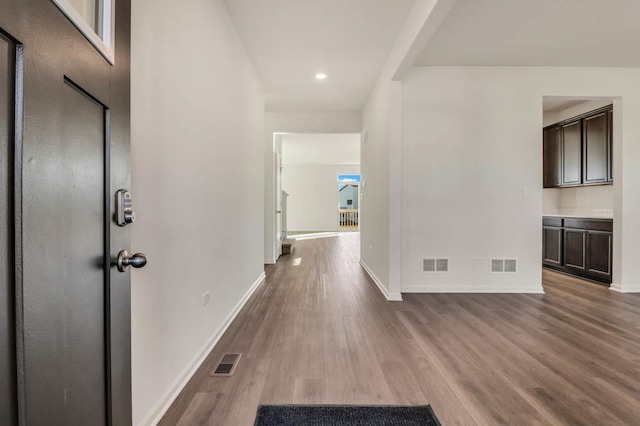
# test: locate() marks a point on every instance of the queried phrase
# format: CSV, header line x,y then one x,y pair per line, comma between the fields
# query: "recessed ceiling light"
x,y
321,76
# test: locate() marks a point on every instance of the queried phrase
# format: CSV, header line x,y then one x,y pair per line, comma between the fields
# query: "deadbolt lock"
x,y
124,210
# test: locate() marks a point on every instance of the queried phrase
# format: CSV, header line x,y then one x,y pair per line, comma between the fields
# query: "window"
x,y
94,19
349,178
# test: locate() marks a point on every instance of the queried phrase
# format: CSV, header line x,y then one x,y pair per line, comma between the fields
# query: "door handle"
x,y
278,211
125,260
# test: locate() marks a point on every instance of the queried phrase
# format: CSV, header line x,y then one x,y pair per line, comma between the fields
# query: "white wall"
x,y
321,148
381,164
472,143
590,201
198,167
339,122
553,117
311,164
550,201
381,217
313,195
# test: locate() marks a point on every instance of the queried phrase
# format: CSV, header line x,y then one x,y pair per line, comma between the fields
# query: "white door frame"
x,y
278,204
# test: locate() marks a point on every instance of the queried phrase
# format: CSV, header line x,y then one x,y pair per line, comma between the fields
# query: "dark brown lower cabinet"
x,y
552,246
581,247
575,249
598,254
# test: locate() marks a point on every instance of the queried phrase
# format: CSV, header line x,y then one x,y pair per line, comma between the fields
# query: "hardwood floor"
x,y
318,331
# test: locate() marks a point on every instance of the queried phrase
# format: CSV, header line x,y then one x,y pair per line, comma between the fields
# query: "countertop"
x,y
581,216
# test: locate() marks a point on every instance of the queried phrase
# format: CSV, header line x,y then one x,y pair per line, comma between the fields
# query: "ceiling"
x,y
341,149
289,41
578,33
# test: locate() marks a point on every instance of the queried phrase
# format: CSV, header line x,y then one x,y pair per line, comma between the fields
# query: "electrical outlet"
x,y
205,299
525,193
478,260
371,249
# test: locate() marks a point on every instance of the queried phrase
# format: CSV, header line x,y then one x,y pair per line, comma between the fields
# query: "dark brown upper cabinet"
x,y
579,151
610,146
552,157
571,154
595,149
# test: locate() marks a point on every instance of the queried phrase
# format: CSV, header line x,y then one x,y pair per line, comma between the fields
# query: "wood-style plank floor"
x,y
318,331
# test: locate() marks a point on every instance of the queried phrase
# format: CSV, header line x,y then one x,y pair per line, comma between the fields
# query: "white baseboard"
x,y
465,288
391,297
616,287
160,409
270,262
626,289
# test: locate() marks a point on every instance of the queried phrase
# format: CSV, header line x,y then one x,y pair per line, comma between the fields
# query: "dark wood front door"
x,y
64,125
8,395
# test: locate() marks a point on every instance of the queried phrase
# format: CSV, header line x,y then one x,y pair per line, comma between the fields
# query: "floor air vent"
x,y
435,265
227,365
503,265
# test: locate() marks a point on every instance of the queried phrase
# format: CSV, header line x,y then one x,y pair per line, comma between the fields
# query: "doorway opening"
x,y
348,203
307,191
578,189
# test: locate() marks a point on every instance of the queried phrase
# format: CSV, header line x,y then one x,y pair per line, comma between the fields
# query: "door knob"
x,y
125,260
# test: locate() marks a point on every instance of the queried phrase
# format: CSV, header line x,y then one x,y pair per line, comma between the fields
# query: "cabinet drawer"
x,y
590,224
552,221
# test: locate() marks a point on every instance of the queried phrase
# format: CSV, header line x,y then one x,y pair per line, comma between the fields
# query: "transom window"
x,y
95,19
349,178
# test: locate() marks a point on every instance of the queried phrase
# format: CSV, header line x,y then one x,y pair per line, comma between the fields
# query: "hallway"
x,y
318,331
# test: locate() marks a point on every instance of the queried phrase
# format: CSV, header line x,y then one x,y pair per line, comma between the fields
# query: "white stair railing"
x,y
348,219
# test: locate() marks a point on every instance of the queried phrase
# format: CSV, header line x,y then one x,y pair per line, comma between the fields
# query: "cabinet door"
x,y
551,158
575,246
599,251
595,149
552,246
610,145
571,154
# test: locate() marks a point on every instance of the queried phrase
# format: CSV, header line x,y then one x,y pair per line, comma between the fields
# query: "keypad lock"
x,y
124,211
